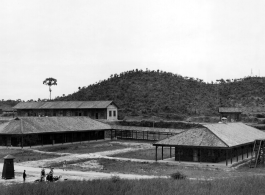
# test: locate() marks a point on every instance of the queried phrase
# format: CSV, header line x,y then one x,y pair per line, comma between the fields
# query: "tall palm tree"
x,y
50,81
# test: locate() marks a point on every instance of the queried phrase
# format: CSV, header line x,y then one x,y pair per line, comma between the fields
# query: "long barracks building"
x,y
94,109
30,131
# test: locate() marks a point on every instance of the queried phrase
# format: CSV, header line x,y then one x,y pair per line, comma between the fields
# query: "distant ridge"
x,y
172,96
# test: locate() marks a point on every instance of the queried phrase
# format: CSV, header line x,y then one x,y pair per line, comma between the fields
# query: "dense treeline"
x,y
168,95
8,104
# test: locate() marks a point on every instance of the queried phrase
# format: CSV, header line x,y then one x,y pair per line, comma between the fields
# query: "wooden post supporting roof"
x,y
251,155
231,155
262,154
247,151
156,153
200,153
22,141
226,157
162,152
178,154
170,151
242,152
236,154
21,128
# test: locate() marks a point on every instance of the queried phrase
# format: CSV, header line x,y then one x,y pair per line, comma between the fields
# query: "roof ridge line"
x,y
216,136
174,135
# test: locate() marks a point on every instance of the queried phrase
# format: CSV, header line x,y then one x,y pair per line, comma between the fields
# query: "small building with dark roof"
x,y
232,114
93,109
213,143
29,131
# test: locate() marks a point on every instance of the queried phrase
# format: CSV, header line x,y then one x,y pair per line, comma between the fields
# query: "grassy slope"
x,y
251,185
167,95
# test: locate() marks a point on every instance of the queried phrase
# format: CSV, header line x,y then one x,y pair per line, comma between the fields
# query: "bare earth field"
x,y
87,147
103,159
23,155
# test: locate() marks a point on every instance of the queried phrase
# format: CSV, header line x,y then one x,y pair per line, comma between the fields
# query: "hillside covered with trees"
x,y
172,96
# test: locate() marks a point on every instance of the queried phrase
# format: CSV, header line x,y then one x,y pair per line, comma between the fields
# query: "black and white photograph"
x,y
135,97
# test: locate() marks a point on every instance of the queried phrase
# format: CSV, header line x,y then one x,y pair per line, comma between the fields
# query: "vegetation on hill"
x,y
171,96
8,104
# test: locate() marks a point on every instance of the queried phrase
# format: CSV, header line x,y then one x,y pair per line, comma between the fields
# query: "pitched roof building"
x,y
27,131
94,109
231,113
213,142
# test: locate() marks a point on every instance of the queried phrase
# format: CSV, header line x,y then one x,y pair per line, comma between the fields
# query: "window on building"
x,y
114,113
110,113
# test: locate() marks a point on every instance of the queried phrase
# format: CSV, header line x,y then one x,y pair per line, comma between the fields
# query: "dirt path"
x,y
71,158
33,168
33,174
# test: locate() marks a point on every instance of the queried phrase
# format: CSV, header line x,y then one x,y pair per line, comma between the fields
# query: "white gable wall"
x,y
112,112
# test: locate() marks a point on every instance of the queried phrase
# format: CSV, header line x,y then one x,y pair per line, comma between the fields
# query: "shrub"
x,y
178,175
115,178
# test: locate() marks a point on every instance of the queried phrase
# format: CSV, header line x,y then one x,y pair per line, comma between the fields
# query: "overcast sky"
x,y
80,42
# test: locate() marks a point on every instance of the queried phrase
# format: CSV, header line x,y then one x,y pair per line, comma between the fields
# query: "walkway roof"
x,y
215,135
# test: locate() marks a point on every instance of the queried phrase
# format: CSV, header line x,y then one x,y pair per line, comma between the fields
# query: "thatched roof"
x,y
215,135
64,105
150,129
229,110
31,125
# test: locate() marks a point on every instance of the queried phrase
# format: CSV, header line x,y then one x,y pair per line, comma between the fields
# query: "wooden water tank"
x,y
8,168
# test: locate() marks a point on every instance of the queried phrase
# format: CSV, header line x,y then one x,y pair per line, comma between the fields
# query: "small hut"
x,y
8,168
232,114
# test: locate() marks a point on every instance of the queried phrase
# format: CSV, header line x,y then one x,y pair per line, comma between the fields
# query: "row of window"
x,y
114,113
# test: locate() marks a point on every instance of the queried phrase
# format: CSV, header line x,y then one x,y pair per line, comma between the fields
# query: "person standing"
x,y
24,176
42,175
50,175
64,165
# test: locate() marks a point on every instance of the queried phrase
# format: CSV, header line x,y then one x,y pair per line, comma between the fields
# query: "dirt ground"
x,y
104,159
22,155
